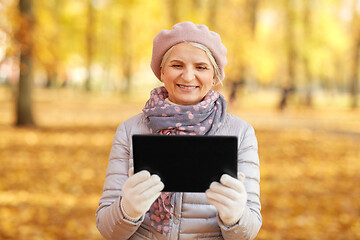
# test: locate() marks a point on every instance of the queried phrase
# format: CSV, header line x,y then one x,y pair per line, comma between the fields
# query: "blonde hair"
x,y
208,53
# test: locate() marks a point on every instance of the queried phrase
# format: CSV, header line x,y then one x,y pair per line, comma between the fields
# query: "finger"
x,y
147,184
217,187
225,190
241,177
224,205
221,189
153,192
137,178
131,171
218,200
232,183
216,204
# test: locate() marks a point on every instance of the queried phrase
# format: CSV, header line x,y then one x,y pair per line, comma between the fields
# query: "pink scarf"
x,y
203,118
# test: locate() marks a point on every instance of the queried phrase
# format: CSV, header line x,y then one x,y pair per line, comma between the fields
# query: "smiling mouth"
x,y
186,87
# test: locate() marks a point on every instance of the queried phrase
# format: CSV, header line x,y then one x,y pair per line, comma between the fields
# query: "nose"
x,y
188,74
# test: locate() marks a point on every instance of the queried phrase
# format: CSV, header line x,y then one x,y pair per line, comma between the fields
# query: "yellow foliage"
x,y
51,176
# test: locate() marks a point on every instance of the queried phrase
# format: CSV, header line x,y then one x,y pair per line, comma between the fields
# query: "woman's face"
x,y
188,74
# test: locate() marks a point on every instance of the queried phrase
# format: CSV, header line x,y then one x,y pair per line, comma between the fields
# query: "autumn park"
x,y
72,70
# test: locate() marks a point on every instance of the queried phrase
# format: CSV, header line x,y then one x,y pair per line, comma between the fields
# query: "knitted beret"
x,y
189,32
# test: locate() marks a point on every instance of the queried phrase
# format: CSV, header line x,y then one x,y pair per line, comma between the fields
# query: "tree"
x,y
306,56
243,35
289,85
354,75
24,39
127,51
89,42
173,10
47,50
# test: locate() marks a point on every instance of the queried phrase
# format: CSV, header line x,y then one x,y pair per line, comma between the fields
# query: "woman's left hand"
x,y
229,197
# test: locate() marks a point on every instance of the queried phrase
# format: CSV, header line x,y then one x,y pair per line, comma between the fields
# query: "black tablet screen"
x,y
186,163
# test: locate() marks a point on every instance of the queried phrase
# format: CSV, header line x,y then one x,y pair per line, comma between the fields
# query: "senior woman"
x,y
189,59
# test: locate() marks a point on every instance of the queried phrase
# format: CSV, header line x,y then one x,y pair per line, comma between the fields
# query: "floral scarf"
x,y
203,118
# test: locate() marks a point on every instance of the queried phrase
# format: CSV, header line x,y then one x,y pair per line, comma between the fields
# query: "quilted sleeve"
x,y
248,163
109,218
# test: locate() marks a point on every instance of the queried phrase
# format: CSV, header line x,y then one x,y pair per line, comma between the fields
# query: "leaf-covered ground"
x,y
51,176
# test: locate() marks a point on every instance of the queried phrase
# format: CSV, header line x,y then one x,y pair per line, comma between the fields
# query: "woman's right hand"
x,y
139,192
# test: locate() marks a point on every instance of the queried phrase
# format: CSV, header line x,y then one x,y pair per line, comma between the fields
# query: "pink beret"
x,y
189,32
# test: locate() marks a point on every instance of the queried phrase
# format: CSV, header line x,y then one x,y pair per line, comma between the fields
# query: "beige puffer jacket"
x,y
194,217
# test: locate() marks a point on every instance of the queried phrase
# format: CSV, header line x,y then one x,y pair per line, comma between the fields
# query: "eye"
x,y
201,67
176,66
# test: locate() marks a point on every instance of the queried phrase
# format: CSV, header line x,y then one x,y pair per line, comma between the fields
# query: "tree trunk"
x,y
24,38
289,86
235,86
51,78
306,57
309,83
89,43
249,22
286,91
127,54
52,69
354,81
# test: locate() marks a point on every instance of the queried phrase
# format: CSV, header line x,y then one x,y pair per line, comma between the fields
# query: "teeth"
x,y
187,87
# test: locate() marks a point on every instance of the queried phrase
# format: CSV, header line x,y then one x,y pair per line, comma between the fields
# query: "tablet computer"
x,y
186,163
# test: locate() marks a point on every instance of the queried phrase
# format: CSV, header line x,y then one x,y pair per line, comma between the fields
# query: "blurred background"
x,y
71,71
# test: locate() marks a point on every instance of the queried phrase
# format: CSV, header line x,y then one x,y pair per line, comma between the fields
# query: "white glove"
x,y
229,197
138,193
